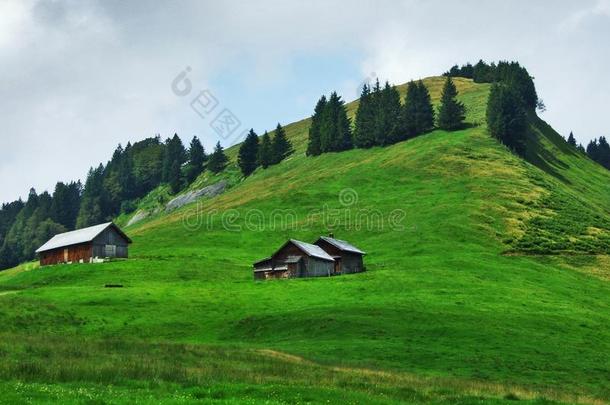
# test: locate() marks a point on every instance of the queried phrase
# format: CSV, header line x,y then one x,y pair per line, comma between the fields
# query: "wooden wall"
x,y
349,263
72,254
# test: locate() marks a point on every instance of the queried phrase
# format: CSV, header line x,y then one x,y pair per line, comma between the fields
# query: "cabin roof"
x,y
79,236
312,250
342,245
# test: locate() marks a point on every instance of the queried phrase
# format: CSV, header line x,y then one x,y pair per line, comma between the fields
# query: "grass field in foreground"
x,y
449,311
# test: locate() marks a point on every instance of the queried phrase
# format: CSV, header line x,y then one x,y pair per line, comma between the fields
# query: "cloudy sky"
x,y
79,77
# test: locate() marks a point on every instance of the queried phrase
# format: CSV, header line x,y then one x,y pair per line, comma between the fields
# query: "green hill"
x,y
487,282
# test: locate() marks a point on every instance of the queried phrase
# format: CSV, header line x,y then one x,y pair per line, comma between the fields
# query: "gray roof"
x,y
342,245
78,236
312,250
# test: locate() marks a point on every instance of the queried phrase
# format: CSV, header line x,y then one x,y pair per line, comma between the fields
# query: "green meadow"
x,y
487,282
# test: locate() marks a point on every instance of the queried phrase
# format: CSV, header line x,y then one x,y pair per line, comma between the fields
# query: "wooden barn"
x,y
83,245
295,259
348,258
327,257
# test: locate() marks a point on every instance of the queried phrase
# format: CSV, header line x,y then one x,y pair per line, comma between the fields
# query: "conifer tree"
x,y
335,131
265,151
571,139
218,160
364,131
451,112
196,157
408,119
506,117
387,117
175,156
424,115
247,157
91,210
314,147
281,146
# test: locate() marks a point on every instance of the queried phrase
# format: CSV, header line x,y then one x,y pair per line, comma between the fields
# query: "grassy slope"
x,y
442,310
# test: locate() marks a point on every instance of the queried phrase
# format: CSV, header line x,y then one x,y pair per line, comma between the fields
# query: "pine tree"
x,y
506,117
66,203
247,158
424,117
571,139
314,147
218,160
409,116
451,113
364,131
335,129
281,146
91,210
599,151
196,157
387,115
265,151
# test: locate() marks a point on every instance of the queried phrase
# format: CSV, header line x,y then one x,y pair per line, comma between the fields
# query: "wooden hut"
x,y
83,245
348,258
295,259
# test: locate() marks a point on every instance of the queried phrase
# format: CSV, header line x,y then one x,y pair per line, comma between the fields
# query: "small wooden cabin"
x,y
83,245
327,257
295,259
348,258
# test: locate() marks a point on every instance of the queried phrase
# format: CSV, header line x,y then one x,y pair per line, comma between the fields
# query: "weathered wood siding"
x,y
307,267
317,267
69,254
110,244
349,262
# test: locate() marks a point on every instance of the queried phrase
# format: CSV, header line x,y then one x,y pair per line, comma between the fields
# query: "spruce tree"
x,y
451,113
197,154
247,157
364,131
196,157
387,116
571,139
506,117
175,156
335,129
424,115
281,146
408,119
218,160
265,151
91,210
314,144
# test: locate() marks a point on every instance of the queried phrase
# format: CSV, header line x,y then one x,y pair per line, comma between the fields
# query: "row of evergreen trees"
x,y
509,73
381,119
599,151
265,152
511,99
110,189
26,226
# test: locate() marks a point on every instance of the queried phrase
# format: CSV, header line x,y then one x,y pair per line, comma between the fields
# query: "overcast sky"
x,y
79,77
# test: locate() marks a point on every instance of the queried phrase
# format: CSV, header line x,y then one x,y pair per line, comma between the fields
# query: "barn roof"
x,y
342,245
78,236
312,250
